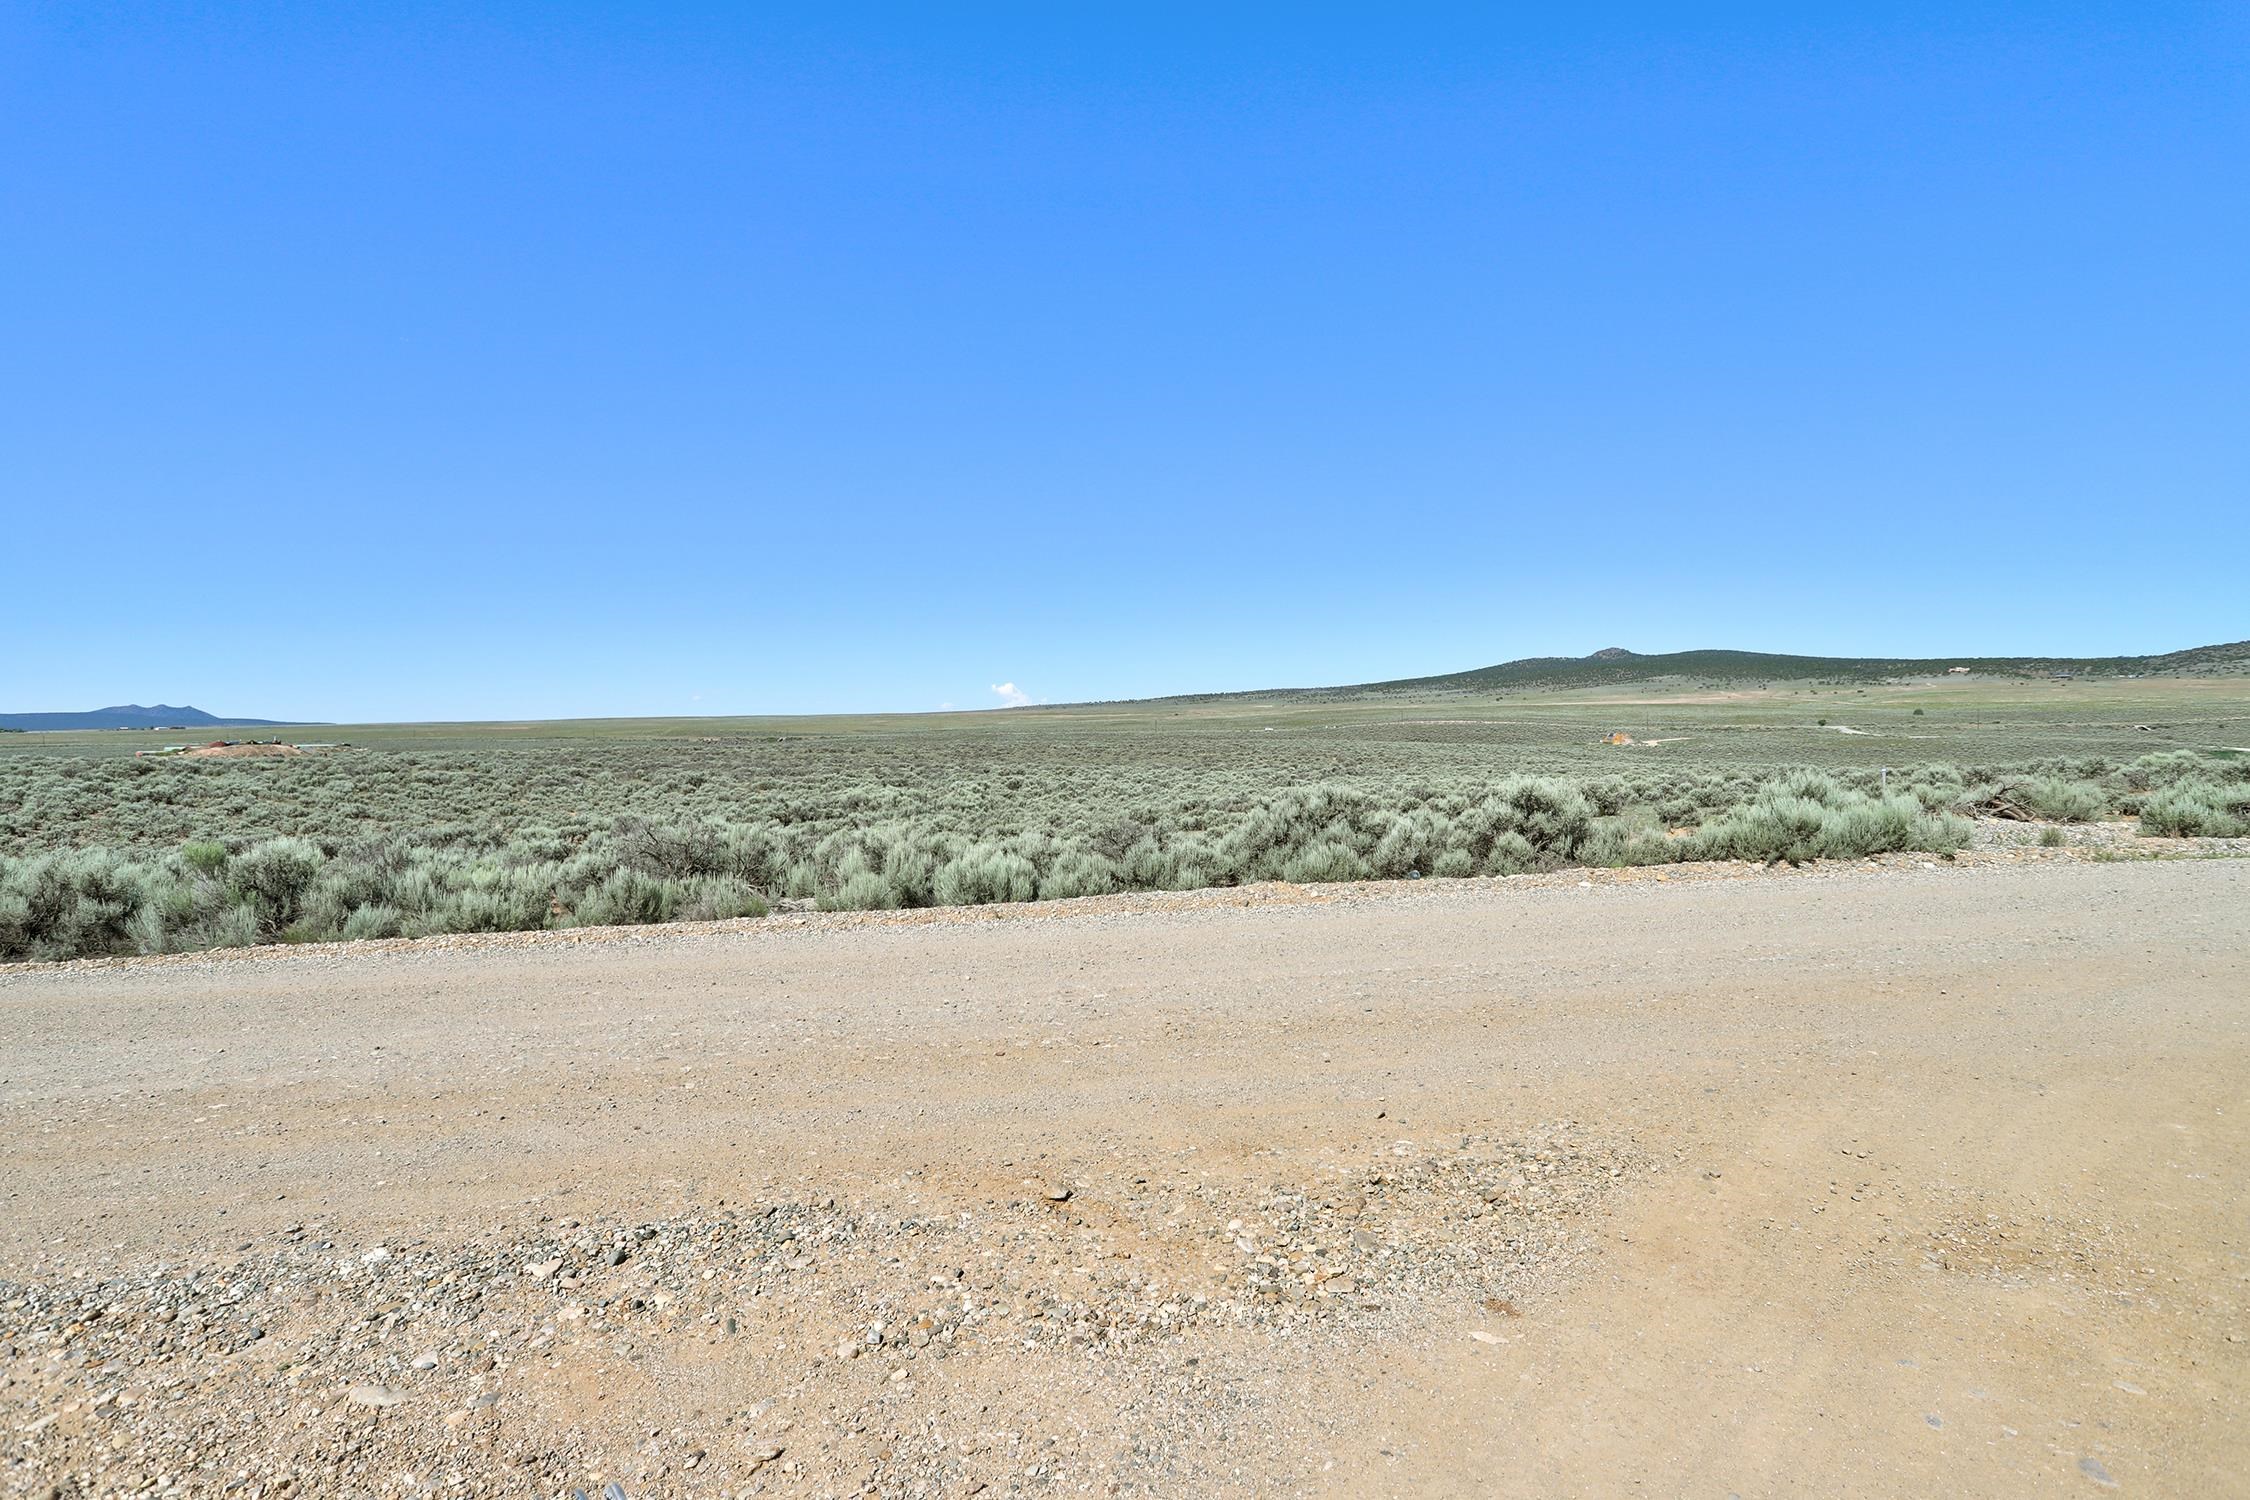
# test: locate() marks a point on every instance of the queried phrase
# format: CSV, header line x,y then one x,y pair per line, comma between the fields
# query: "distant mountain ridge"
x,y
1614,665
134,716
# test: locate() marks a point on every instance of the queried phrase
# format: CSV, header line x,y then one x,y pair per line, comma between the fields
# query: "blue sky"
x,y
456,362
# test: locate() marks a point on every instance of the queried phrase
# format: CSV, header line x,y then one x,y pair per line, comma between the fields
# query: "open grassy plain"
x,y
419,829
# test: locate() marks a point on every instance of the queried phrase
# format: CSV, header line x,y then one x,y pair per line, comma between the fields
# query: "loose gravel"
x,y
316,1366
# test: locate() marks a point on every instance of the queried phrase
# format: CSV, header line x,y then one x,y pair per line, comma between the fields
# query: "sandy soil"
x,y
238,752
1899,1181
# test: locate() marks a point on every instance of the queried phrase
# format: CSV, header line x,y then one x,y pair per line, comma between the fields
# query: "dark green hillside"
x,y
1615,666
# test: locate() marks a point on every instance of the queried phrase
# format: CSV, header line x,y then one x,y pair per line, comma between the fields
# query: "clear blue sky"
x,y
400,361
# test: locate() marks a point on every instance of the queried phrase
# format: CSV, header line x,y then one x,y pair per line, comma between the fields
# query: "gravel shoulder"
x,y
1903,1177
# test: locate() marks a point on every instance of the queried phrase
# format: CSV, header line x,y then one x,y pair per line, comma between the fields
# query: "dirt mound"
x,y
229,751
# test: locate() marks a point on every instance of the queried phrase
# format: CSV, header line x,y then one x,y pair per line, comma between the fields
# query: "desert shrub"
x,y
1791,822
1776,827
1937,793
629,897
1614,846
2060,800
756,854
508,902
1078,872
227,927
1263,841
862,891
1410,841
1807,785
2168,768
983,874
1192,862
1611,795
1859,827
69,904
673,850
910,866
182,855
1549,815
2187,809
1324,860
372,922
274,877
722,898
1145,865
1510,854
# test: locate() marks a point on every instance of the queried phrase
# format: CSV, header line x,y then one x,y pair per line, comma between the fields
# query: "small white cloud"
x,y
1011,696
945,708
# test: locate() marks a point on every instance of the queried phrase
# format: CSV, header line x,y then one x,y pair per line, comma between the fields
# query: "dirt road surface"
x,y
1845,1182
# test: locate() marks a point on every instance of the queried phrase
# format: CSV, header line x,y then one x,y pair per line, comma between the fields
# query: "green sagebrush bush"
x,y
399,847
1805,818
2061,800
2186,809
985,873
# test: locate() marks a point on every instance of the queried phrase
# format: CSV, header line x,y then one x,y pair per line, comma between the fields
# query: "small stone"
x,y
616,1256
375,1395
1485,1338
426,1360
1058,1193
2092,1468
540,1270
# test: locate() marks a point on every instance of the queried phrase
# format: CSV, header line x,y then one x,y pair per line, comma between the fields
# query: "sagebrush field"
x,y
427,829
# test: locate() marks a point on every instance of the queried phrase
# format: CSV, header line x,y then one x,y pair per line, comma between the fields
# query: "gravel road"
x,y
1873,1180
